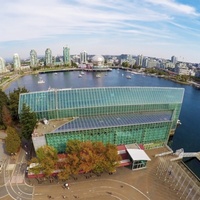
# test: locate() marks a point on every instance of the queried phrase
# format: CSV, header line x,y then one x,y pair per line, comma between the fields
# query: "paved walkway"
x,y
125,184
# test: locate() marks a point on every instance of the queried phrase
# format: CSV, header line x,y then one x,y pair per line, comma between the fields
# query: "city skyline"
x,y
149,27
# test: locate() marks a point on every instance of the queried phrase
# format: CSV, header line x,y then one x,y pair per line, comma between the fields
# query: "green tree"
x,y
14,101
125,64
12,141
28,121
3,102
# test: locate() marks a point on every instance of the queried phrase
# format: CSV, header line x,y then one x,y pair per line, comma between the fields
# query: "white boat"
x,y
79,75
41,81
82,73
98,76
128,77
55,73
178,122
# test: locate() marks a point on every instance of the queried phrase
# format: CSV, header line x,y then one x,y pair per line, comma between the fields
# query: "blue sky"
x,y
158,28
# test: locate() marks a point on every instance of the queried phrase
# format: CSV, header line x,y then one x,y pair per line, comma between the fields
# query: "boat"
x,y
55,73
128,77
98,76
178,122
41,81
79,75
82,73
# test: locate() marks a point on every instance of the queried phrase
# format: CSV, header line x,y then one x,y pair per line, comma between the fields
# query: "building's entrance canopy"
x,y
138,154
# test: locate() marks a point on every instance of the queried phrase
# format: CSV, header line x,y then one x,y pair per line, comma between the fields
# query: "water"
x,y
187,136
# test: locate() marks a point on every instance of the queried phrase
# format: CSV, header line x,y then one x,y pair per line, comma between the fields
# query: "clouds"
x,y
85,23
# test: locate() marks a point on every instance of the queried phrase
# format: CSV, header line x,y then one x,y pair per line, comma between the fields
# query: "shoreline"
x,y
5,85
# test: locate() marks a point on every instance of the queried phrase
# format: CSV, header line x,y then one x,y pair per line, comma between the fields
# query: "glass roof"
x,y
58,99
106,121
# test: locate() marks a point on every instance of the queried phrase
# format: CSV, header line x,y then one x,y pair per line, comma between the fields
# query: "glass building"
x,y
117,115
48,57
16,62
2,65
66,55
33,58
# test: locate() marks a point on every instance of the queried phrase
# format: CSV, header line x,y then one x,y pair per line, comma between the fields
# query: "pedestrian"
x,y
66,185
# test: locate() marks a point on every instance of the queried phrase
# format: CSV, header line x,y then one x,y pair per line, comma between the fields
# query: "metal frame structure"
x,y
118,115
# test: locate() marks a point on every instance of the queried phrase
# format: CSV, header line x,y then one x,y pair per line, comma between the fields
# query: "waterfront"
x,y
186,135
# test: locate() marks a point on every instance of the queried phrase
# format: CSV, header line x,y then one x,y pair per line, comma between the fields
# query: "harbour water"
x,y
187,135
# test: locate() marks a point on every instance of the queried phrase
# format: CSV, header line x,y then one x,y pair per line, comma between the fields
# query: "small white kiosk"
x,y
138,156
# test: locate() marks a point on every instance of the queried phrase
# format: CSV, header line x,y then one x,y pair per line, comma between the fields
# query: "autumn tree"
x,y
3,102
46,159
12,141
7,118
28,121
112,158
14,101
91,157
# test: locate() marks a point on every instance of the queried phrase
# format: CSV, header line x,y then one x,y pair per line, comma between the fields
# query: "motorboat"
x,y
41,81
82,73
128,77
98,76
79,75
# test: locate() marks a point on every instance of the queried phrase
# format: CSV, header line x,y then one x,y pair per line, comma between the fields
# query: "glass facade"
x,y
66,55
119,115
2,65
16,62
33,58
48,57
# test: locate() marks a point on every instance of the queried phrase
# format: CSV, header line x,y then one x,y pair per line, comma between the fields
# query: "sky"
x,y
155,28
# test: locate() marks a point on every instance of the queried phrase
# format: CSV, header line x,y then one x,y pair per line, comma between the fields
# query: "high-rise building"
x,y
139,60
174,59
16,62
83,57
48,57
2,65
33,58
66,55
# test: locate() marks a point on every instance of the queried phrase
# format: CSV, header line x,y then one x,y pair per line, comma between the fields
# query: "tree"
x,y
12,141
126,64
28,121
112,158
3,102
14,101
7,118
47,159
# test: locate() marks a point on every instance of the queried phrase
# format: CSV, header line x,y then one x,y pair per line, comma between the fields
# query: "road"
x,y
13,179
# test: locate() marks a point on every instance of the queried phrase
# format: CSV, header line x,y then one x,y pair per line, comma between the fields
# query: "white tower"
x,y
16,62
